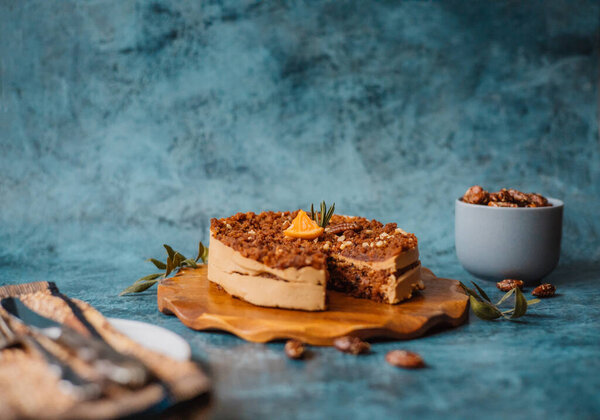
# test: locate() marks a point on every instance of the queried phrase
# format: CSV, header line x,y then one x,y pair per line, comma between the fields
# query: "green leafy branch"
x,y
322,218
484,308
175,261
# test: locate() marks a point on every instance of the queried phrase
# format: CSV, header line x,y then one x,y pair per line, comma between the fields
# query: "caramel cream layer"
x,y
402,287
254,282
391,264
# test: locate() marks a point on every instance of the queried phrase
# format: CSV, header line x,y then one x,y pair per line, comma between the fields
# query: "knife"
x,y
111,364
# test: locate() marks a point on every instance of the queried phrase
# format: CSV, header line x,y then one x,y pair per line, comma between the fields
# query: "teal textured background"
x,y
126,124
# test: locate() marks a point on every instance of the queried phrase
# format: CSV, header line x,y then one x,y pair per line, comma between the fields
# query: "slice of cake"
x,y
253,258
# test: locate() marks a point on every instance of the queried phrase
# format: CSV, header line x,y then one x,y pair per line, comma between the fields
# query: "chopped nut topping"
x,y
228,226
251,232
401,231
326,246
365,244
341,238
270,236
379,243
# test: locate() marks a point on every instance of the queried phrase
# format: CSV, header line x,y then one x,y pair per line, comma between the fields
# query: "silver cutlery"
x,y
70,382
109,363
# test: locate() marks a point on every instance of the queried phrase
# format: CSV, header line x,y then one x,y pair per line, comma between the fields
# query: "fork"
x,y
69,381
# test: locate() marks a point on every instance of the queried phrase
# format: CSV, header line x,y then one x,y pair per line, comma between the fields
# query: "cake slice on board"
x,y
287,260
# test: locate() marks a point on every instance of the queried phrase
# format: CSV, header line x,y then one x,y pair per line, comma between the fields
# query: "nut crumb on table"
x,y
405,359
507,285
544,290
352,345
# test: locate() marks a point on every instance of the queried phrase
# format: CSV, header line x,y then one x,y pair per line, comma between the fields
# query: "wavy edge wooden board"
x,y
201,305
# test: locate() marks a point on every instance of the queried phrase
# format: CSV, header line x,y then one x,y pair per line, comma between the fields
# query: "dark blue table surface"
x,y
126,124
546,365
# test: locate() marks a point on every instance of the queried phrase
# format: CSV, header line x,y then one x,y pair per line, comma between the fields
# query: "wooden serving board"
x,y
201,305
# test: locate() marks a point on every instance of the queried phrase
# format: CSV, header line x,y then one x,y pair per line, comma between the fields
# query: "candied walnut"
x,y
501,204
501,196
352,345
342,227
476,195
405,359
509,197
294,349
537,200
507,285
518,196
544,290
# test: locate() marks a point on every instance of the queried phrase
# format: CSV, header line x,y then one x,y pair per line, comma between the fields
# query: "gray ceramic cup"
x,y
495,243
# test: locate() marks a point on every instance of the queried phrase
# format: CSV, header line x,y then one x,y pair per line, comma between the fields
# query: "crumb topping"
x,y
260,237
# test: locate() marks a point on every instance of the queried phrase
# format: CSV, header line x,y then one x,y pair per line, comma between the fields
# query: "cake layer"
x,y
381,285
228,260
392,264
401,287
293,288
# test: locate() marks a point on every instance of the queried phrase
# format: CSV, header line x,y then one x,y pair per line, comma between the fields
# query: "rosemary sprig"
x,y
322,218
175,261
484,308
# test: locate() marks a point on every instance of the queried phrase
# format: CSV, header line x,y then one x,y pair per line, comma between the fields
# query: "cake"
x,y
255,257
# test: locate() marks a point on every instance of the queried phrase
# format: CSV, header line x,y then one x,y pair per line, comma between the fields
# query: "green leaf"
x,y
170,266
178,259
152,276
520,304
158,264
329,214
506,296
484,310
469,292
312,212
533,301
190,263
481,292
169,251
202,252
138,287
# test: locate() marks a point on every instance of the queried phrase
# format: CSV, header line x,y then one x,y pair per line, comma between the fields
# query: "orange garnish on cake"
x,y
304,227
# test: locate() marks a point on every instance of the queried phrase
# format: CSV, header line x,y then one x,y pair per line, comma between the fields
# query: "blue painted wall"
x,y
126,124
169,113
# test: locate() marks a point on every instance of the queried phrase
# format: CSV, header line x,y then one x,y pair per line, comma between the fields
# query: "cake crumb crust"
x,y
260,237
